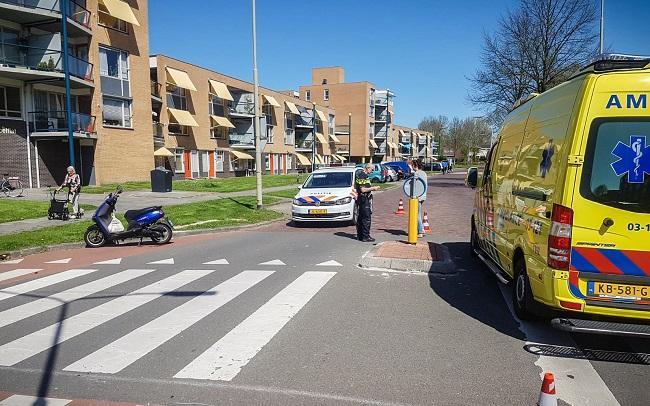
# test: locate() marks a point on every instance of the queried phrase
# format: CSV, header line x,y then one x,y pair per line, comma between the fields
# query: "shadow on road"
x,y
393,231
473,291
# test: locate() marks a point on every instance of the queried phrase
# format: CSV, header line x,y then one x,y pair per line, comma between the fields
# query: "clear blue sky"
x,y
422,50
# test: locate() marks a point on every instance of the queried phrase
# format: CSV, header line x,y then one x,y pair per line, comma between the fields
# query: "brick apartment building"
x,y
107,43
203,124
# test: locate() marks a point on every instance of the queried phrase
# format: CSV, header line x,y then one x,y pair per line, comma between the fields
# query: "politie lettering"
x,y
632,102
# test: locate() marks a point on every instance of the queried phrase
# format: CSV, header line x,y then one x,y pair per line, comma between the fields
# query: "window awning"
x,y
400,144
271,100
292,107
221,121
303,160
121,10
319,159
179,78
422,138
240,154
322,116
182,117
402,133
321,138
220,90
342,158
335,138
392,145
162,151
372,143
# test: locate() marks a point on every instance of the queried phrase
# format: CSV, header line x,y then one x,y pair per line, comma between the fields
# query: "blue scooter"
x,y
149,222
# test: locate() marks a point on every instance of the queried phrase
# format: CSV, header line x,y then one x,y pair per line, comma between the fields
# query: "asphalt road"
x,y
264,316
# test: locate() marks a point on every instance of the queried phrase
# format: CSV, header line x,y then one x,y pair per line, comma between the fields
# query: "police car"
x,y
327,195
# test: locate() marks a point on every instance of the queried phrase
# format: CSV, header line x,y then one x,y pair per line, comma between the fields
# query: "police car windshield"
x,y
329,180
617,165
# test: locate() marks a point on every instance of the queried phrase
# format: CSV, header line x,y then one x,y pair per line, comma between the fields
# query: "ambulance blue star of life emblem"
x,y
634,159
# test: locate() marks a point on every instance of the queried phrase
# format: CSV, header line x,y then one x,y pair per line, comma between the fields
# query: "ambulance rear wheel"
x,y
474,240
522,295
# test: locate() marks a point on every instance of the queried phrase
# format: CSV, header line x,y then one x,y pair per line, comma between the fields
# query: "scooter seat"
x,y
132,214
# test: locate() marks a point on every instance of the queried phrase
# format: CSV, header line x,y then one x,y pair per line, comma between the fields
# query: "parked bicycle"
x,y
11,186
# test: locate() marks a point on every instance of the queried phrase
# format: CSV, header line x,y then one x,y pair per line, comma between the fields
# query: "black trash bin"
x,y
161,180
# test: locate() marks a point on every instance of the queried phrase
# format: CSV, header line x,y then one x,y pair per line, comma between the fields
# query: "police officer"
x,y
364,201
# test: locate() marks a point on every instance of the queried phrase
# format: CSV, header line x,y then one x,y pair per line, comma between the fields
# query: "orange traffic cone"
x,y
425,223
547,394
400,208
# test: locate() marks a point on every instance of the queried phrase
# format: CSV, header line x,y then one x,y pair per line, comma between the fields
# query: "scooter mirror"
x,y
119,189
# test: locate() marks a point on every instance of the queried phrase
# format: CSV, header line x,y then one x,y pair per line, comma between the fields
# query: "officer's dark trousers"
x,y
363,222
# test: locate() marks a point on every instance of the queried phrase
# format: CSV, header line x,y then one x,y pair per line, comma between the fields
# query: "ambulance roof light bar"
x,y
608,62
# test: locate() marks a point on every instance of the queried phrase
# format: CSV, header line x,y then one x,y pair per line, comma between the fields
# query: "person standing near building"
x,y
420,173
364,191
73,182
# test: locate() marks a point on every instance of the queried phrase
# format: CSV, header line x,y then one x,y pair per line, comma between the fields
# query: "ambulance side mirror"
x,y
471,180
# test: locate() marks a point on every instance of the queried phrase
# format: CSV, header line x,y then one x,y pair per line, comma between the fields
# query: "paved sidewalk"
x,y
401,256
128,200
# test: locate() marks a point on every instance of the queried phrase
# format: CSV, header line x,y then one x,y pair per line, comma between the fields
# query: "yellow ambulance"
x,y
562,207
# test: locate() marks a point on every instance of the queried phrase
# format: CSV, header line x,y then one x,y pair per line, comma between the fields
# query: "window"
x,y
219,133
616,171
326,94
109,21
308,95
329,180
177,129
288,120
217,106
10,52
10,102
179,160
289,162
269,134
267,162
117,112
113,63
176,97
219,158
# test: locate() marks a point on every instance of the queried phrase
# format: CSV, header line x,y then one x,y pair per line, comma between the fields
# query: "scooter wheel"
x,y
94,237
165,233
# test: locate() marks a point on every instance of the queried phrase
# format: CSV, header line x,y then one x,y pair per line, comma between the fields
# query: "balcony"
x,y
304,144
242,109
25,62
304,121
55,124
158,136
45,13
156,89
381,101
241,139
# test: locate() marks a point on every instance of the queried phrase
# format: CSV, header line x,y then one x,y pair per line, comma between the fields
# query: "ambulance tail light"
x,y
559,240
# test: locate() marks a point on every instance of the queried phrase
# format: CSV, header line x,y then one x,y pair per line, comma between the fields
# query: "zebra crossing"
x,y
222,361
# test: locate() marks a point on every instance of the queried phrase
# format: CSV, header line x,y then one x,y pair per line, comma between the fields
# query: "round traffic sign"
x,y
415,185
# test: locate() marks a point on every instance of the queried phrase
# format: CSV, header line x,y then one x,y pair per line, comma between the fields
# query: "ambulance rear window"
x,y
617,165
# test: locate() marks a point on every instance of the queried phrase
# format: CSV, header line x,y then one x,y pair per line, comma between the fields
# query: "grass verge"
x,y
22,209
223,185
212,214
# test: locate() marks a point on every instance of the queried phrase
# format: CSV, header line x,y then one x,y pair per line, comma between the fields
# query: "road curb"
x,y
446,266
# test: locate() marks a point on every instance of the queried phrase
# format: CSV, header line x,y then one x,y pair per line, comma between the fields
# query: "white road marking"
x,y
52,302
576,380
329,263
222,261
36,284
225,359
32,344
13,261
16,273
59,261
168,261
273,262
115,261
21,400
128,349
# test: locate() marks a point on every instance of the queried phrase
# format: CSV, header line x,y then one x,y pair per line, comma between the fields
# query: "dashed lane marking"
x,y
115,261
22,400
273,262
59,261
222,261
168,261
13,261
329,263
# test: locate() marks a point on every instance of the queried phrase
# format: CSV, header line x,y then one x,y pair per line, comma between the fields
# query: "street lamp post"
x,y
349,137
66,72
602,26
256,123
313,139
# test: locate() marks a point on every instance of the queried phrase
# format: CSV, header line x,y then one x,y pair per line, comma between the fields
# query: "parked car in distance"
x,y
377,175
391,174
433,166
401,167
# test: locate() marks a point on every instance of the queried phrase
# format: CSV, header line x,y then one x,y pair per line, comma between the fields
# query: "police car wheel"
x,y
355,215
522,295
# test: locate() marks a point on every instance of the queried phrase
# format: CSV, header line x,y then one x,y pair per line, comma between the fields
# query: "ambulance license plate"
x,y
602,289
318,211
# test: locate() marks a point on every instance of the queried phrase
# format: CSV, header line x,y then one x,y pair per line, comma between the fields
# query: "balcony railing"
x,y
303,143
57,121
236,138
156,89
243,107
76,12
305,121
43,59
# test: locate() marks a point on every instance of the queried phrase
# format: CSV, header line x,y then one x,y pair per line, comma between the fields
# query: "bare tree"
x,y
437,126
535,48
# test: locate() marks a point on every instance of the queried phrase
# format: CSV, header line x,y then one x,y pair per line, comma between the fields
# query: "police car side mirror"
x,y
472,178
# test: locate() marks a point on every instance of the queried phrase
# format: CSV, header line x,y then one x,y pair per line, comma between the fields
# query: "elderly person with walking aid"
x,y
73,182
